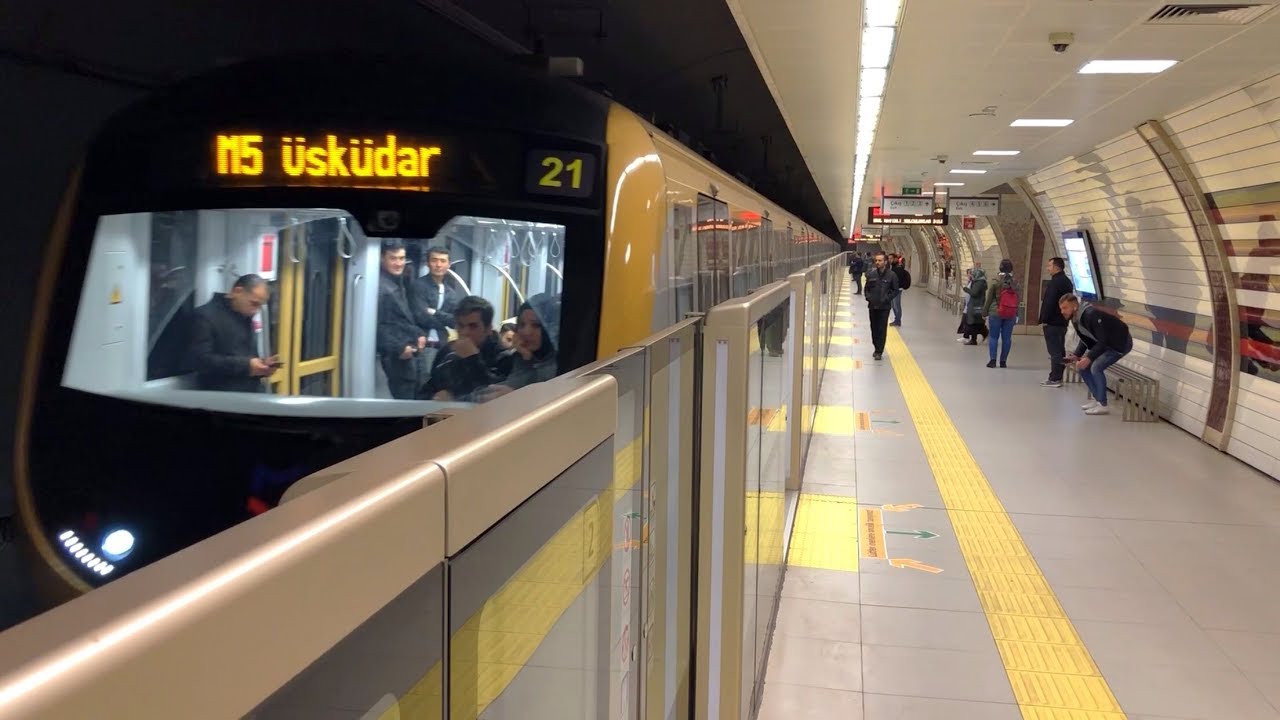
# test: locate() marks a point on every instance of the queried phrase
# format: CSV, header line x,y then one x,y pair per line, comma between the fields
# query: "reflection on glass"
x,y
250,303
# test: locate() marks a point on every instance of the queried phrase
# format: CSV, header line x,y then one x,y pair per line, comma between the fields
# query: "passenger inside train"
x,y
251,309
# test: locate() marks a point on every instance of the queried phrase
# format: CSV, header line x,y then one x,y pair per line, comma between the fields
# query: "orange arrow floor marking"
x,y
900,508
906,563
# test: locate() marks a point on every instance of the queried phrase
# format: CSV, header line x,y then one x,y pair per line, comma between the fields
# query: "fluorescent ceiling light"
x,y
1126,67
996,152
947,184
961,171
872,83
877,46
1038,122
869,107
882,13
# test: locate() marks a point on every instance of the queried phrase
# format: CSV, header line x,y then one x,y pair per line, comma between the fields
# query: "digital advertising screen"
x,y
1083,264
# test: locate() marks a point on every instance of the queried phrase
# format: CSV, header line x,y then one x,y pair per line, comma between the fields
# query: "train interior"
x,y
149,271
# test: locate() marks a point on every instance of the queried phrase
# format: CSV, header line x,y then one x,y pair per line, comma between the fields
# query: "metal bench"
x,y
950,303
1138,393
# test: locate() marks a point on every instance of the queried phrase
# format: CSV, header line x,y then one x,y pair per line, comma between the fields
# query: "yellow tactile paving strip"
x,y
1052,674
825,534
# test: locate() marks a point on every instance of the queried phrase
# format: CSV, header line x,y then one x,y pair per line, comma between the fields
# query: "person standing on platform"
x,y
1104,339
1003,300
899,268
975,320
856,268
1051,319
880,289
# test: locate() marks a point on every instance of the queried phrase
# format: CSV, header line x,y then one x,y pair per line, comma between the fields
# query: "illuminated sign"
x,y
913,205
977,206
558,172
877,218
332,156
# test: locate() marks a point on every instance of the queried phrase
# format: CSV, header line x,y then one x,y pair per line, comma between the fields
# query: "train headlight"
x,y
76,550
117,544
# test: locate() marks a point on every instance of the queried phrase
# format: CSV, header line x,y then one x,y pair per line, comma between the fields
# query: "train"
x,y
301,171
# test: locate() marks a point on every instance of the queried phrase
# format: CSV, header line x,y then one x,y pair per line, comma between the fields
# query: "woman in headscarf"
x,y
973,315
537,335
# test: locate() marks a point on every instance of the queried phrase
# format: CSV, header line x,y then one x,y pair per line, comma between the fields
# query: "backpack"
x,y
1007,309
904,278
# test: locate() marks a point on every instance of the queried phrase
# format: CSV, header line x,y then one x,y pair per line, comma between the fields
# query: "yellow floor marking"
x,y
825,534
1051,671
772,509
842,325
843,340
834,420
842,364
843,313
871,534
778,423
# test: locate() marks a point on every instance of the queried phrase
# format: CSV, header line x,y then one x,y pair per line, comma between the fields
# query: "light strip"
x,y
961,171
948,184
1126,67
997,152
1034,122
879,34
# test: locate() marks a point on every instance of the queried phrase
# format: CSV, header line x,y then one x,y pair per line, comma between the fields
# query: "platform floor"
x,y
1012,557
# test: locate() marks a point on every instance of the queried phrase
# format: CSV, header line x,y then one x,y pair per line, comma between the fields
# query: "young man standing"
x,y
880,288
1104,339
1051,319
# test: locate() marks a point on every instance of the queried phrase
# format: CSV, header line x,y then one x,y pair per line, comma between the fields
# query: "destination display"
x,y
875,217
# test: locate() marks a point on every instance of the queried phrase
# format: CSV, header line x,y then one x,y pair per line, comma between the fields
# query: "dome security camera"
x,y
1061,41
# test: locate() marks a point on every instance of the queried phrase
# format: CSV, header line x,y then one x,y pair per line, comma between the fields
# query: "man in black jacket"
x,y
224,344
438,296
1054,324
475,360
1104,339
880,289
401,338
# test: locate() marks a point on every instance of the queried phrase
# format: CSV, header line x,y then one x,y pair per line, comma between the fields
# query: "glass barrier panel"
x,y
531,605
770,497
390,668
668,550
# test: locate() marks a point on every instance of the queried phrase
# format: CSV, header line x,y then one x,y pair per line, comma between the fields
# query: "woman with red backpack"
x,y
1003,299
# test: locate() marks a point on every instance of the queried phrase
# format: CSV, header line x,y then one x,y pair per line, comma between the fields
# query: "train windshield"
x,y
298,312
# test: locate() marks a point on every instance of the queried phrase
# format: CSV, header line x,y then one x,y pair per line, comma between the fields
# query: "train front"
x,y
255,275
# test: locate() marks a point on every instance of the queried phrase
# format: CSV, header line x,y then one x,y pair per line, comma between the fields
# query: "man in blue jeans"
x,y
1104,339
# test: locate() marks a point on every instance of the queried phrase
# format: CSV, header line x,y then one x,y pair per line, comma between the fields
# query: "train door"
x,y
307,308
713,251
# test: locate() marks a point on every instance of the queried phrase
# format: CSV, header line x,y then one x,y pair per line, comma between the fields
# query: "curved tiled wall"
x,y
1140,196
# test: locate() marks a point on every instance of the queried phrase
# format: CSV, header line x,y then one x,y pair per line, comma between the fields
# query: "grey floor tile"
x,y
900,707
819,488
821,619
1188,692
1251,652
1108,572
917,627
947,674
1142,606
918,590
1269,685
1065,525
1116,645
783,701
820,584
815,663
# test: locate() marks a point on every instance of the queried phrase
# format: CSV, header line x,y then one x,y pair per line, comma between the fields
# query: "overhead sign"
x,y
876,218
906,205
981,206
911,190
969,223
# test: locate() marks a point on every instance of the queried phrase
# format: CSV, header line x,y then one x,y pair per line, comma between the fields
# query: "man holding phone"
x,y
224,344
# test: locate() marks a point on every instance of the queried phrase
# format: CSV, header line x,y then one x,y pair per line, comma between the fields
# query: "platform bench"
x,y
1138,392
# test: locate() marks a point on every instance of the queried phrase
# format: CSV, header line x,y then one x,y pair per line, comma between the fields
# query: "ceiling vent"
x,y
1214,14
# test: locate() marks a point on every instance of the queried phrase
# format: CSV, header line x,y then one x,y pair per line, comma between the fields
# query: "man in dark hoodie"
x,y
537,340
899,267
1104,339
475,360
1051,319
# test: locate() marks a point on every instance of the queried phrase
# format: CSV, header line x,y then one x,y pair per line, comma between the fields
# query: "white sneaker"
x,y
1090,405
1098,410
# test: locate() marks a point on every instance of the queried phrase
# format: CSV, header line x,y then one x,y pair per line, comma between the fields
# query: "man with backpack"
x,y
881,288
1003,300
856,268
904,282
